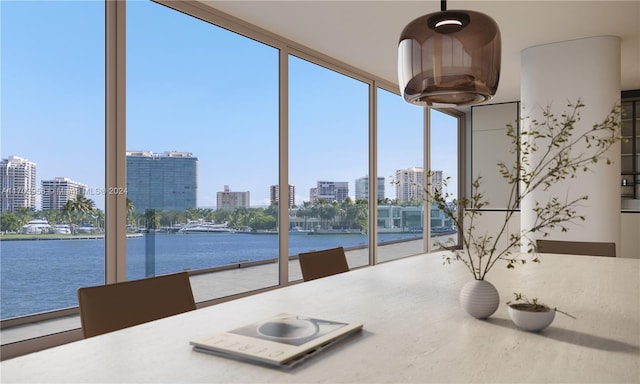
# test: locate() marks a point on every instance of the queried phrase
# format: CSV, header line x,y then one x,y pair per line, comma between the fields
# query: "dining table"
x,y
414,330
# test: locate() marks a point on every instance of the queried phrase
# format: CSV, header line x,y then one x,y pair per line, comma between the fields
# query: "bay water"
x,y
44,275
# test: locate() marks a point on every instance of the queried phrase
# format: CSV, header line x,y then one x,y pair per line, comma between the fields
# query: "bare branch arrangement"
x,y
547,155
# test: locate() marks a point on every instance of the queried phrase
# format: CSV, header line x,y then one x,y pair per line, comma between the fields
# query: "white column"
x,y
554,74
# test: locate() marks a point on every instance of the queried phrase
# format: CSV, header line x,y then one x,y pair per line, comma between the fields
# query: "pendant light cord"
x,y
443,5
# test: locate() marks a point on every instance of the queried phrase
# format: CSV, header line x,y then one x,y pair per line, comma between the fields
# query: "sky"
x,y
196,88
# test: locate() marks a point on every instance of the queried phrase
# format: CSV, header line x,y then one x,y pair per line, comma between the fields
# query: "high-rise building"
x,y
410,184
18,181
362,188
436,181
56,192
329,191
230,201
167,181
275,195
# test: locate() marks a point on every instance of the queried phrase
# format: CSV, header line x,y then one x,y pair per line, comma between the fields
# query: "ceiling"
x,y
365,34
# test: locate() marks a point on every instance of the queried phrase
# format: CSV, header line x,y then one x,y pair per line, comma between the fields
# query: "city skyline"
x,y
41,191
173,107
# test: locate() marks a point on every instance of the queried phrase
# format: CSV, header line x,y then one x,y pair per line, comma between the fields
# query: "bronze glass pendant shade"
x,y
449,57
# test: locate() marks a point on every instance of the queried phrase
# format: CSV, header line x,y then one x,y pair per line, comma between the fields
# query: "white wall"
x,y
630,225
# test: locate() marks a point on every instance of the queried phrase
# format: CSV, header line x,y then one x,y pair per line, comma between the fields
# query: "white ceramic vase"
x,y
479,298
531,321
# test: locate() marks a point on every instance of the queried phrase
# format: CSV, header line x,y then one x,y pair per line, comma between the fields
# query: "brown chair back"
x,y
576,247
106,308
327,262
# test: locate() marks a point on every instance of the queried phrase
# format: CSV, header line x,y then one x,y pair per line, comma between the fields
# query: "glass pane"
x,y
52,171
328,152
400,153
202,142
444,165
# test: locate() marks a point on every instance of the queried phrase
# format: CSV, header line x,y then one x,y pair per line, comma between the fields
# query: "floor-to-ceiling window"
x,y
52,118
444,152
328,155
202,136
401,173
202,149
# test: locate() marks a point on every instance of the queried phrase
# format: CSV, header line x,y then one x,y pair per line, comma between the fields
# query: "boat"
x,y
346,231
86,228
62,229
172,229
37,227
298,231
201,226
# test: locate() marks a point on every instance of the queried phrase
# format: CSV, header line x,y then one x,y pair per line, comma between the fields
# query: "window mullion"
x,y
115,145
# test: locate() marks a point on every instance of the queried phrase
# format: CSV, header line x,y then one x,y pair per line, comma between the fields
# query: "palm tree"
x,y
152,219
130,207
78,208
85,205
79,204
131,212
306,212
325,212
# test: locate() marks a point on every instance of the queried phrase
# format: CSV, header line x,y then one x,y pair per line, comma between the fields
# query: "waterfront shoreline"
x,y
59,237
40,276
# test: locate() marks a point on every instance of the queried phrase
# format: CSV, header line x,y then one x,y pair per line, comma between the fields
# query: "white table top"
x,y
414,331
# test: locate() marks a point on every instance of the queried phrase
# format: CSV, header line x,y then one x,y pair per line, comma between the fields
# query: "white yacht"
x,y
36,227
201,226
86,228
62,229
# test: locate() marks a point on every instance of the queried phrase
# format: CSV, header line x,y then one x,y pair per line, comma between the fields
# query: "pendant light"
x,y
449,57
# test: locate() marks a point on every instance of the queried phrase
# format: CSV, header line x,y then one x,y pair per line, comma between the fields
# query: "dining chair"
x,y
326,262
587,248
109,307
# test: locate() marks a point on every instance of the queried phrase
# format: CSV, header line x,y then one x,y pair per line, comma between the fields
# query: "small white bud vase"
x,y
479,298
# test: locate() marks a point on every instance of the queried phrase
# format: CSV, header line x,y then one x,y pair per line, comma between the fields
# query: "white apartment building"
x,y
18,181
329,191
410,184
56,192
436,181
230,201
